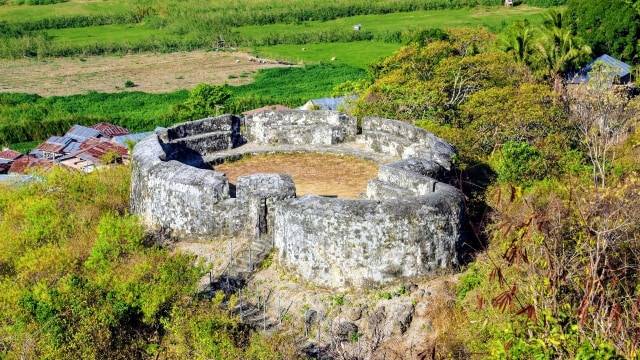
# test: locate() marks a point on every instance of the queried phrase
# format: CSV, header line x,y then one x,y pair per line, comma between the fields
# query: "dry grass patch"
x,y
320,174
151,73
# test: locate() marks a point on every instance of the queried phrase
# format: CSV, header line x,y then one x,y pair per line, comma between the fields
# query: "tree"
x,y
558,51
204,100
608,27
602,116
518,40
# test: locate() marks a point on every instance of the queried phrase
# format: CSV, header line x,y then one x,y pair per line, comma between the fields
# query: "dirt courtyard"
x,y
319,174
151,73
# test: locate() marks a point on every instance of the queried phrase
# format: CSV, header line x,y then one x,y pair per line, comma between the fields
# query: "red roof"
x,y
9,154
93,150
26,162
265,108
110,130
51,147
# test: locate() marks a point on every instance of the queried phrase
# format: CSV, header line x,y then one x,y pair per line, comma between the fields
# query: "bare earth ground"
x,y
319,174
152,73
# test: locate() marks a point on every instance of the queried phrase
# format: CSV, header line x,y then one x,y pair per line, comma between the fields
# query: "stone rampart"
x,y
409,225
406,141
300,127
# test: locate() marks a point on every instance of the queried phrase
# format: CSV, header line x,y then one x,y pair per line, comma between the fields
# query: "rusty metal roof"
x,y
54,144
93,150
110,130
9,154
26,162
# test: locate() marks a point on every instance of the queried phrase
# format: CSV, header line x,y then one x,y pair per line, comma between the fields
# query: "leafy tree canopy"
x,y
609,27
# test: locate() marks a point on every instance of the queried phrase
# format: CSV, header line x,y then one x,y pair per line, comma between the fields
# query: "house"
x,y
21,165
92,153
264,108
81,133
621,72
54,147
109,130
334,104
7,157
124,140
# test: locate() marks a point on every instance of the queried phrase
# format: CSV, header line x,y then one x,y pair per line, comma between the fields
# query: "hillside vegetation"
x,y
551,178
80,279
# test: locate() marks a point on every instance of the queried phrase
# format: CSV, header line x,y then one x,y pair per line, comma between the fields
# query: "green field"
x,y
120,26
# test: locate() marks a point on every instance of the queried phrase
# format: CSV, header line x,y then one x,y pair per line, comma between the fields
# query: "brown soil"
x,y
151,73
318,174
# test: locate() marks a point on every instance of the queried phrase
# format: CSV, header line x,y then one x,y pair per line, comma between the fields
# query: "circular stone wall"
x,y
409,224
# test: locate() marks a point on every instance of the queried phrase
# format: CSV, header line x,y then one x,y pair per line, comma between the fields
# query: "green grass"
x,y
125,33
357,54
25,147
23,13
494,18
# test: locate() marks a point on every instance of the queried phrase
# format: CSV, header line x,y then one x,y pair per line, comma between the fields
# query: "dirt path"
x,y
152,73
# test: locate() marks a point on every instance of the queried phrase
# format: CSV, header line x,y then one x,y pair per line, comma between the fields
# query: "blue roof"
x,y
59,140
72,147
132,137
332,103
81,133
15,179
616,65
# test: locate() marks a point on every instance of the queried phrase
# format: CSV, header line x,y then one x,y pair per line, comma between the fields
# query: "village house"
x,y
7,157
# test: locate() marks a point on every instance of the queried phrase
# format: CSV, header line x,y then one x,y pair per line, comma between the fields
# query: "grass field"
x,y
358,54
494,18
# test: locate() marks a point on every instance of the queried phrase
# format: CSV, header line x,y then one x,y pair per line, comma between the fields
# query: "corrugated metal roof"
x,y
14,179
81,133
110,130
265,108
132,137
26,162
54,144
621,69
9,154
97,151
329,103
72,147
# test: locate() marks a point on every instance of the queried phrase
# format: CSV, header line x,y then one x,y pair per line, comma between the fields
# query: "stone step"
x,y
262,245
377,189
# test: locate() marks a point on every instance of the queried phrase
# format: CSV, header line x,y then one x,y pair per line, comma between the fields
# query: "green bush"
x,y
519,163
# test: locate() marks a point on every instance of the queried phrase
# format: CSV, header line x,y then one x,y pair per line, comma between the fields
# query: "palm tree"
x,y
518,40
558,50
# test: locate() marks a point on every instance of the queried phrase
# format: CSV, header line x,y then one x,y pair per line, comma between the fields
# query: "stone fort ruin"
x,y
407,224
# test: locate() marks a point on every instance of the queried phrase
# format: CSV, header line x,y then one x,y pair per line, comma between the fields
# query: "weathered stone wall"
x,y
405,140
410,225
202,137
298,127
185,199
342,243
